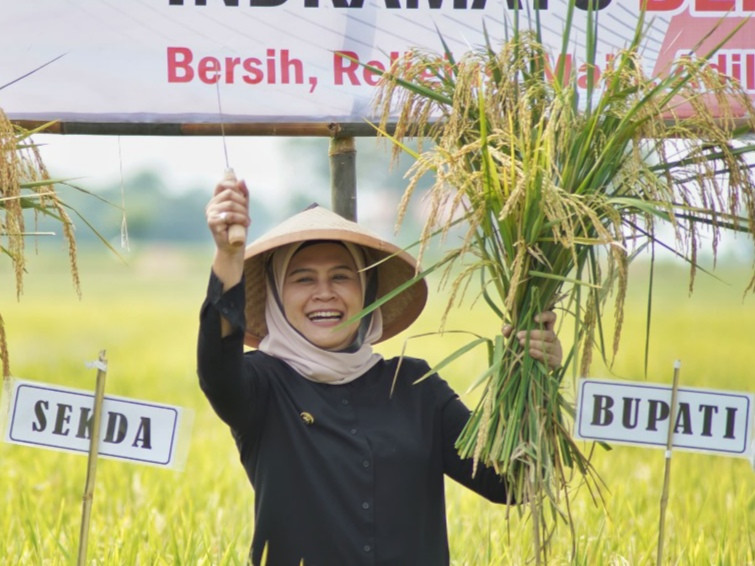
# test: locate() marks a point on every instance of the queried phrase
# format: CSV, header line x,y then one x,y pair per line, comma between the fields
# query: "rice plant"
x,y
25,185
27,194
557,189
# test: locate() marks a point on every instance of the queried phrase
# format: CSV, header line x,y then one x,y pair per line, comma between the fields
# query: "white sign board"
x,y
639,413
157,61
59,418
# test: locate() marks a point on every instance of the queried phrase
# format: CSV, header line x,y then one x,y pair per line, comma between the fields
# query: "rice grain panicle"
x,y
558,191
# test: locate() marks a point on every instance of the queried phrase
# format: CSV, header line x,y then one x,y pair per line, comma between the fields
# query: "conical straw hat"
x,y
318,223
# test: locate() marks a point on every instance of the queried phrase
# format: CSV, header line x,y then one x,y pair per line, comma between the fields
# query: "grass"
x,y
144,315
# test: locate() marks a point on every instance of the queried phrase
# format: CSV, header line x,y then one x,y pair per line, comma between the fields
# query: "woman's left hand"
x,y
544,344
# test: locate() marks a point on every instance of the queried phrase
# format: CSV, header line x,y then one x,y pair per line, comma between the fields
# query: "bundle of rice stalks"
x,y
557,196
25,186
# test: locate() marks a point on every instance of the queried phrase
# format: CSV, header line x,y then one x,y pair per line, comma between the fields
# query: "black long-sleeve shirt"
x,y
346,474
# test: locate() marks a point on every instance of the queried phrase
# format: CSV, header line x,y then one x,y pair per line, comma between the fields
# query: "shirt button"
x,y
365,505
353,431
344,401
367,548
365,463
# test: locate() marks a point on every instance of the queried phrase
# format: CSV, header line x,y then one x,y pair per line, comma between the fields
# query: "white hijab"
x,y
283,341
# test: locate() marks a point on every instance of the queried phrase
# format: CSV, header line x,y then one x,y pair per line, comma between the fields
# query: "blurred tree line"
x,y
155,212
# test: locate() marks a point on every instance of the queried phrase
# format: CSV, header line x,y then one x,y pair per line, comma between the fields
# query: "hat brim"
x,y
394,268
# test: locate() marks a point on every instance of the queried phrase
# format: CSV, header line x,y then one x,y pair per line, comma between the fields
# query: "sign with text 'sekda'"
x,y
625,412
60,418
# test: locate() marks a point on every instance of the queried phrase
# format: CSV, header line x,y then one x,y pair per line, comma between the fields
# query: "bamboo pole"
x,y
94,443
290,129
286,129
667,469
342,154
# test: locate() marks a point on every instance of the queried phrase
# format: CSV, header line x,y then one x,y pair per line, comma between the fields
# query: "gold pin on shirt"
x,y
307,418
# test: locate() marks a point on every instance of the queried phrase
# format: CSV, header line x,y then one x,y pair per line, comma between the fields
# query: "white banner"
x,y
720,422
60,418
157,61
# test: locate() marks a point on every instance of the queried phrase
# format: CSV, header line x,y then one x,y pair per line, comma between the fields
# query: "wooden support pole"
x,y
94,443
343,187
304,129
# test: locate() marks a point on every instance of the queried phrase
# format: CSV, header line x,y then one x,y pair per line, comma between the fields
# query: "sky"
x,y
184,161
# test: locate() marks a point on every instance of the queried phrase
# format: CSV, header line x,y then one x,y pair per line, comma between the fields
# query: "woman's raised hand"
x,y
229,205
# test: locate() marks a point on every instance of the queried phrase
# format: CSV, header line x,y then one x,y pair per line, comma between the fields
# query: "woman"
x,y
345,452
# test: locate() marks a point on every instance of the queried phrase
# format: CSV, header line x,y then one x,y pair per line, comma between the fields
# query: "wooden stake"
x,y
667,469
94,443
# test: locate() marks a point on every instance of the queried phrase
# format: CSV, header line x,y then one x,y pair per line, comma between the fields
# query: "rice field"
x,y
144,313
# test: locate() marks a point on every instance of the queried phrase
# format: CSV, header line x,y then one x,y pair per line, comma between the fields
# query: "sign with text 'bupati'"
x,y
640,413
60,418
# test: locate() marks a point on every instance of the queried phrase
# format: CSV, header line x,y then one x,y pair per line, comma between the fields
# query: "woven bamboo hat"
x,y
394,267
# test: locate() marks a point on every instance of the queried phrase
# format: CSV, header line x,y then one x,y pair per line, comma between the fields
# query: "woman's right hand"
x,y
229,205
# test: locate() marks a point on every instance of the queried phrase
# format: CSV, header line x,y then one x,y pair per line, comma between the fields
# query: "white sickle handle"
x,y
236,232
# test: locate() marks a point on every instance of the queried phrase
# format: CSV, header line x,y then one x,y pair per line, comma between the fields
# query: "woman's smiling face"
x,y
321,290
